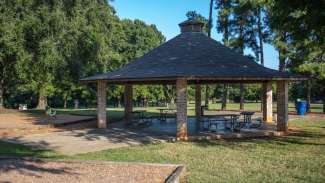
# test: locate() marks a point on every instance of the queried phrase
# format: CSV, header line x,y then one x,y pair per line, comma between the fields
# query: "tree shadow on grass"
x,y
21,148
303,137
299,137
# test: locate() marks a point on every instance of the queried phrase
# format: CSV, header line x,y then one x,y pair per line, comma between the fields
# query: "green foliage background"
x,y
46,46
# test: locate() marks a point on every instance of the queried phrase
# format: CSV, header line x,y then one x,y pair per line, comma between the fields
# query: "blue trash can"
x,y
301,108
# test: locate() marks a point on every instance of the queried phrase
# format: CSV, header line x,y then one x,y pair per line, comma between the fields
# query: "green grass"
x,y
9,149
296,158
116,114
318,108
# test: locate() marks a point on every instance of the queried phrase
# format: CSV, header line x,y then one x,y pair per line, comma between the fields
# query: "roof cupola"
x,y
191,26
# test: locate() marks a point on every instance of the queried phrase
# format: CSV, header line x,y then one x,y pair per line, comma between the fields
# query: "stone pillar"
x,y
181,106
282,106
128,93
198,102
101,104
267,102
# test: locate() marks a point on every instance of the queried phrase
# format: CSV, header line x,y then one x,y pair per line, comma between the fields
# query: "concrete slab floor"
x,y
85,140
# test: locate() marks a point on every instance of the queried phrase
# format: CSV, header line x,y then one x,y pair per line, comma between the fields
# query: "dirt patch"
x,y
19,124
38,170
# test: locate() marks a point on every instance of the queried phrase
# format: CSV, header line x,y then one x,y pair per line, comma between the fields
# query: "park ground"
x,y
116,114
298,157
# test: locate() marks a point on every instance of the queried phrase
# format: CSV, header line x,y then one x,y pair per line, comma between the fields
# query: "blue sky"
x,y
167,14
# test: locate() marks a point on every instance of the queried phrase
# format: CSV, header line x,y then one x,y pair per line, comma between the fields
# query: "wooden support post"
x,y
198,103
101,104
181,106
267,102
128,105
282,106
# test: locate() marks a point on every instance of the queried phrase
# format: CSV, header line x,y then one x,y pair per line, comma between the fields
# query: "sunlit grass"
x,y
257,107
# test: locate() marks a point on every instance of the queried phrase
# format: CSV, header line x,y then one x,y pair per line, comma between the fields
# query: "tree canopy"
x,y
47,46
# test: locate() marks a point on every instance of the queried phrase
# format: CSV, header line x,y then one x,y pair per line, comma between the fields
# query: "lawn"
x,y
117,114
296,158
318,108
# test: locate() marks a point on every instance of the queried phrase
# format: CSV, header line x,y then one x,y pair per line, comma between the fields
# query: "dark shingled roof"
x,y
195,56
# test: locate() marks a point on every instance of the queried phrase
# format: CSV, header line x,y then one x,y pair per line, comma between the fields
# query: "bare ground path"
x,y
16,124
41,170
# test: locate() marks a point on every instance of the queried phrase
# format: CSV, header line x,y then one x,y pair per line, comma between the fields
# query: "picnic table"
x,y
213,121
165,112
140,118
232,119
248,120
247,116
139,114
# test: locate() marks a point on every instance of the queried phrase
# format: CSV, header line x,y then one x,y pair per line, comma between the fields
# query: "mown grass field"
x,y
116,114
296,158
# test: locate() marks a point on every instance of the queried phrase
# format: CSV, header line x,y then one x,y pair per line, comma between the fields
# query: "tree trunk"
x,y
1,98
65,103
206,101
260,35
172,101
118,98
225,97
42,101
242,47
282,59
324,103
308,97
323,100
210,18
241,106
261,96
76,104
145,102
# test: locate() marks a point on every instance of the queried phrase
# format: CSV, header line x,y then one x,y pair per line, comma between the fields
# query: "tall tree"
x,y
262,26
224,8
206,101
243,22
262,29
43,23
11,42
83,48
298,29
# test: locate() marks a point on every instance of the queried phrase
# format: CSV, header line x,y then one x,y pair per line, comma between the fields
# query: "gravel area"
x,y
19,123
37,170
